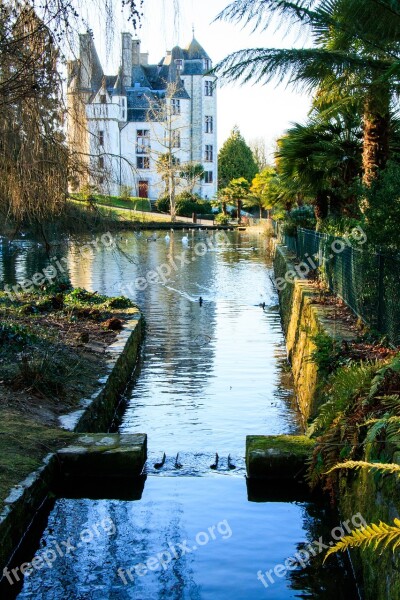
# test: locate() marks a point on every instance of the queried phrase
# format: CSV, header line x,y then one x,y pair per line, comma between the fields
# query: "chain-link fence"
x,y
368,281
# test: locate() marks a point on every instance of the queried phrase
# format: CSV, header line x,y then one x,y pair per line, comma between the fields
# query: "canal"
x,y
211,372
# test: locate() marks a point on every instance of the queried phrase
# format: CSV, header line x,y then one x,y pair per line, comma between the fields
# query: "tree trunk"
x,y
224,208
321,208
376,134
239,210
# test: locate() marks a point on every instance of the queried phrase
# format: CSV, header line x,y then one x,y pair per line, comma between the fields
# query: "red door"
x,y
143,189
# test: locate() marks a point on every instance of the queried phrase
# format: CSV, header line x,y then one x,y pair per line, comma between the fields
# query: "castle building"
x,y
125,125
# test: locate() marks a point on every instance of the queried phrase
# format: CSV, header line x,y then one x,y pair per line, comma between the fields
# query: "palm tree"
x,y
237,191
323,158
356,56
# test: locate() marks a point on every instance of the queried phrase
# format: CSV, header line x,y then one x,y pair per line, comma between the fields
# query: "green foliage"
x,y
163,204
17,335
222,219
303,216
382,213
120,302
326,353
366,426
125,192
188,203
344,385
340,226
235,160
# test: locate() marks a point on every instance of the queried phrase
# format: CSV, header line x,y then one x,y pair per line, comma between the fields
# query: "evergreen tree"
x,y
235,160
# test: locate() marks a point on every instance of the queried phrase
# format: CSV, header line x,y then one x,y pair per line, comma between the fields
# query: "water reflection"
x,y
212,542
213,373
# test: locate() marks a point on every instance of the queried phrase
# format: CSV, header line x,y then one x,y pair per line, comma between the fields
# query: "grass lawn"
x,y
137,204
53,346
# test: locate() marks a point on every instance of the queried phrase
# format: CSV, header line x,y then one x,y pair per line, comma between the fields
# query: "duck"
x,y
178,465
230,463
215,465
162,463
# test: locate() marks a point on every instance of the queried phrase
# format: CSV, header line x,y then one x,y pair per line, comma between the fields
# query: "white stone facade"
x,y
145,111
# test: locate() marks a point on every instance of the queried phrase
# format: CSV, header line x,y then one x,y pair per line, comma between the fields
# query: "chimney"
x,y
144,58
126,59
136,52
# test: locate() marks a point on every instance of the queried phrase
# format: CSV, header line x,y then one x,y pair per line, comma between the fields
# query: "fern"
x,y
346,384
378,427
391,403
382,375
361,464
375,535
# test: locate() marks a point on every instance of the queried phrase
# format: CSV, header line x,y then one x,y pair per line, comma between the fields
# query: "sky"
x,y
259,111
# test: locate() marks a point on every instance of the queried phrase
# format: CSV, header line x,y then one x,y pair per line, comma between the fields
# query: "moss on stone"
x,y
23,444
298,445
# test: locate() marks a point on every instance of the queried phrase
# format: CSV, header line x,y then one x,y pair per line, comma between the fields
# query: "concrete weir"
x,y
105,456
278,457
93,456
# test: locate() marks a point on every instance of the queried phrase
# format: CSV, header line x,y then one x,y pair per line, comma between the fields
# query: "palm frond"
x,y
375,535
389,468
303,66
260,14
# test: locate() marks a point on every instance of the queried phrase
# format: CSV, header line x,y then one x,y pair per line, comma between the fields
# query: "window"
x,y
208,177
142,141
101,137
142,162
207,64
209,125
176,106
179,63
209,89
101,162
176,139
103,99
209,153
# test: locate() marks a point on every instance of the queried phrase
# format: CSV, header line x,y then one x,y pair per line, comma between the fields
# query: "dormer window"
x,y
179,64
103,99
207,64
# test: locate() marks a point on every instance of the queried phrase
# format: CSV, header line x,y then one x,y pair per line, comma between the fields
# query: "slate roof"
x,y
148,81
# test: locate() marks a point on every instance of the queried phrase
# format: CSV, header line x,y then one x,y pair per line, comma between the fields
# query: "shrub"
x,y
163,205
303,216
382,212
222,219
